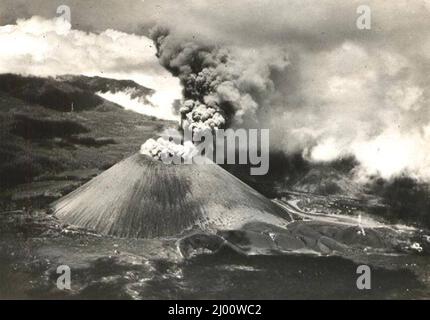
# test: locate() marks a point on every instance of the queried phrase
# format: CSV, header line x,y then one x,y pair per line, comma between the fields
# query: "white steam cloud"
x,y
168,151
153,105
367,102
50,47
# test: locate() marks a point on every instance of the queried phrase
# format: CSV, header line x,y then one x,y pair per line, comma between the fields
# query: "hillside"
x,y
326,181
46,149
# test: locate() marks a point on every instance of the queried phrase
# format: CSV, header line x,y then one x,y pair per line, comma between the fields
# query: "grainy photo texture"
x,y
265,149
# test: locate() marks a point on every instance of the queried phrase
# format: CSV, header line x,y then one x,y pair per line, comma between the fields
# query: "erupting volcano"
x,y
143,198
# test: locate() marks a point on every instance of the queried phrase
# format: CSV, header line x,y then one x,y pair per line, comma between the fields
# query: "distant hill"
x,y
49,93
294,173
99,84
66,92
328,181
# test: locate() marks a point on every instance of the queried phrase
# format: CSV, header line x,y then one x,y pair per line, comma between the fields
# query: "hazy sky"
x,y
343,91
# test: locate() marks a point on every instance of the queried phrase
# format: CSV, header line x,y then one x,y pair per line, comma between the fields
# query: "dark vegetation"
x,y
44,128
48,92
408,199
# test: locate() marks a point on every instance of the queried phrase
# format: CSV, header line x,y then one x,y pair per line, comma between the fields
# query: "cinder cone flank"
x,y
142,198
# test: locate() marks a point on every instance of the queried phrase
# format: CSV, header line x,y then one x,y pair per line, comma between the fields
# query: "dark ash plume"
x,y
222,87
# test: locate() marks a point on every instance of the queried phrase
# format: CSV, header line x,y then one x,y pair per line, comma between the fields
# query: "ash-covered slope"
x,y
143,198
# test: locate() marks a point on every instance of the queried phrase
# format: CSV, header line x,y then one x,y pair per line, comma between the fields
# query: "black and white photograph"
x,y
220,150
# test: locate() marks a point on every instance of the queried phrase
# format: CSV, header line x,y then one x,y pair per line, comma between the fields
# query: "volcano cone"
x,y
143,198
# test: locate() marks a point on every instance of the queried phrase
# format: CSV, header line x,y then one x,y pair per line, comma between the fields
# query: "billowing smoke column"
x,y
222,87
200,117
